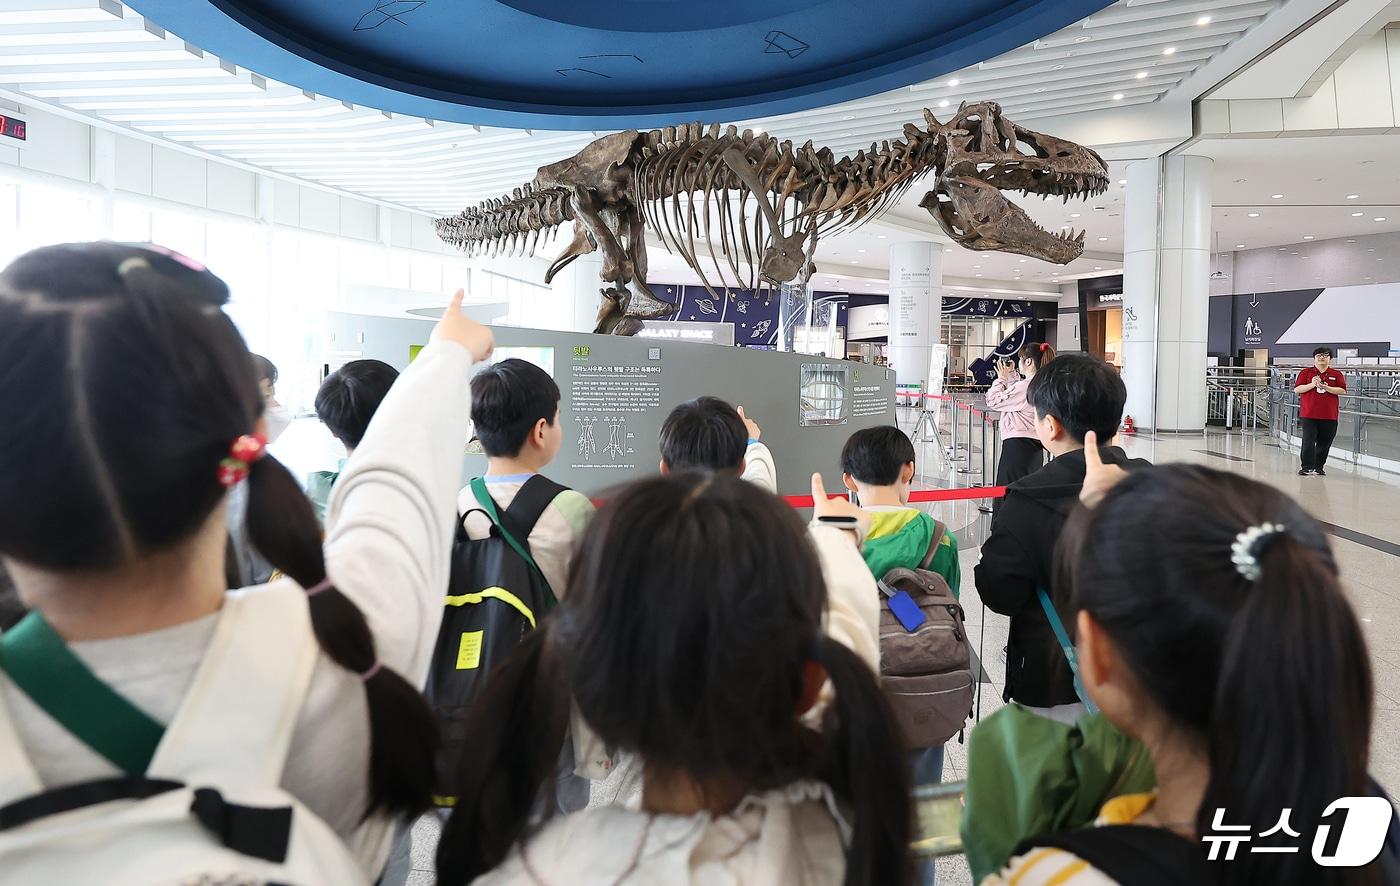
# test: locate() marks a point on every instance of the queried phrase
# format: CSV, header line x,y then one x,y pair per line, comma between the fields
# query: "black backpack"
x,y
496,594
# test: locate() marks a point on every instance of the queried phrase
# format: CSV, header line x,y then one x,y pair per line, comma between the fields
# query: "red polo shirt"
x,y
1320,404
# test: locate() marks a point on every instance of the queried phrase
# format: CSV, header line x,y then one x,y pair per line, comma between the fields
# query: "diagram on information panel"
x,y
587,445
615,449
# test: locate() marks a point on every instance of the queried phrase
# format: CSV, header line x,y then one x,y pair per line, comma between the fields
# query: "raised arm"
x,y
391,513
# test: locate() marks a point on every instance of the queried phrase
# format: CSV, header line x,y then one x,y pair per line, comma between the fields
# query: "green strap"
x,y
489,505
41,664
1067,646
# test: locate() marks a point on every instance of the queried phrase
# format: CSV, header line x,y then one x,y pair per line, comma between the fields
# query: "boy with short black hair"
x,y
515,416
1072,395
877,464
708,434
345,403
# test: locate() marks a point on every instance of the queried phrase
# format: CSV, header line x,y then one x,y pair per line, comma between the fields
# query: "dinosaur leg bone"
x,y
588,211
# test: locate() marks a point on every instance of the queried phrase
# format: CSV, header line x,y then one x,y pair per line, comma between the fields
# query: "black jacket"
x,y
1019,556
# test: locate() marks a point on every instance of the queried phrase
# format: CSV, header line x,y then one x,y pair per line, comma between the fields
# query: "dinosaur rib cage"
x,y
678,175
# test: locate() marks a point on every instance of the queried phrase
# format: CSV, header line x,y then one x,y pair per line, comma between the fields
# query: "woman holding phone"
x,y
1021,452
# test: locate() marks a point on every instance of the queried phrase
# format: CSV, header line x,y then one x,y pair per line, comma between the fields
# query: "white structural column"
x,y
916,308
1166,291
585,287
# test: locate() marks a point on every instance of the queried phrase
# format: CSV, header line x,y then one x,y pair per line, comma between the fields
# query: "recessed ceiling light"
x,y
853,262
1357,214
1203,20
949,249
1170,50
954,82
1057,67
1351,241
845,135
1239,246
1275,196
943,104
1074,215
1022,260
1308,237
1118,96
1083,39
1353,196
879,236
1379,218
1254,215
976,275
1142,75
1122,181
977,266
862,250
1283,249
1097,268
1103,239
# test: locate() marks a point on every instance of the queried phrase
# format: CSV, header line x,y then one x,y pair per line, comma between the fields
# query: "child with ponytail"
x,y
696,634
131,408
1212,626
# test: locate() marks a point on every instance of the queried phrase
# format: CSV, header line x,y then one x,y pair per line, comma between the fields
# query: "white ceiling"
x,y
100,58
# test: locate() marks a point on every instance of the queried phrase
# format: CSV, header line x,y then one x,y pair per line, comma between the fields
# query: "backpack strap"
x,y
262,655
35,657
235,724
1136,854
939,530
1066,646
519,520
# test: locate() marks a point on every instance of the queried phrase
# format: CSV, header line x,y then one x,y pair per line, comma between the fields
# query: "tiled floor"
x,y
1364,501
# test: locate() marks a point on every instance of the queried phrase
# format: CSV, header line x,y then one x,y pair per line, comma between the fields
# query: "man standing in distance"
x,y
1320,388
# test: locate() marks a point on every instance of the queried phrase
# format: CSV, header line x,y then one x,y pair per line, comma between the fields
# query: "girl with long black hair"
x,y
130,407
696,634
1212,626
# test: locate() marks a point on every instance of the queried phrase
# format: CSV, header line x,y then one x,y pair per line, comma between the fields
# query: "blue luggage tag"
x,y
904,608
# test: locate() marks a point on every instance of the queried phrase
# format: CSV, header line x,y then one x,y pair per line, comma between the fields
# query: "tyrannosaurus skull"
x,y
986,155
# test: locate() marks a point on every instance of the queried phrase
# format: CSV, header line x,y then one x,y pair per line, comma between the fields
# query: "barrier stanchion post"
x,y
953,441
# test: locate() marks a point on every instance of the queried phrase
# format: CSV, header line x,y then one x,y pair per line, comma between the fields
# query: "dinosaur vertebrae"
x,y
514,224
678,174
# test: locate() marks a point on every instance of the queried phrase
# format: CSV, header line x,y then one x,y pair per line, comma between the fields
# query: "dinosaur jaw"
x,y
976,214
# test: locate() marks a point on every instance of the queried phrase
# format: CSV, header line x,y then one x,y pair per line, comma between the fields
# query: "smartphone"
x,y
938,809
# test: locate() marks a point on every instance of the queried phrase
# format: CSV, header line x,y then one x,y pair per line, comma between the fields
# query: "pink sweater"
x,y
1017,416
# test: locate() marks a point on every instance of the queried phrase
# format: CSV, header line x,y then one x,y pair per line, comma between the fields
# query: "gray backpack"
x,y
926,673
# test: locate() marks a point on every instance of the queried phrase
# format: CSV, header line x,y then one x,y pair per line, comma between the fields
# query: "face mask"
x,y
279,418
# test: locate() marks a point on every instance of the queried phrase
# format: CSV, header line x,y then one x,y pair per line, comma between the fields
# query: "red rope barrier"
x,y
919,496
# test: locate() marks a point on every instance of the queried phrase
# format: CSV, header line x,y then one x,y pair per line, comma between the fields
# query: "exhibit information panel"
x,y
615,392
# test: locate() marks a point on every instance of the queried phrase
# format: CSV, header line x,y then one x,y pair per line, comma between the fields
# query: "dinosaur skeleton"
x,y
695,185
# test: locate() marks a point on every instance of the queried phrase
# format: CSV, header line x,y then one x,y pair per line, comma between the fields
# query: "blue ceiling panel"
x,y
604,64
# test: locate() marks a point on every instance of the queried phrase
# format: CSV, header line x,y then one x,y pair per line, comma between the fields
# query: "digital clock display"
x,y
13,128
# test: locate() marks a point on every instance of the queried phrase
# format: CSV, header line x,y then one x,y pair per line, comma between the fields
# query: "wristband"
x,y
752,441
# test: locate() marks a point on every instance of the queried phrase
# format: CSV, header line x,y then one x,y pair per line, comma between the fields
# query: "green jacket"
x,y
1030,775
900,538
